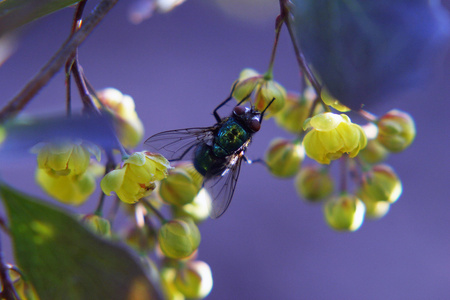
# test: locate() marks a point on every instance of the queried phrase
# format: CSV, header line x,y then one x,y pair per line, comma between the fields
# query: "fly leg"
x,y
216,115
258,161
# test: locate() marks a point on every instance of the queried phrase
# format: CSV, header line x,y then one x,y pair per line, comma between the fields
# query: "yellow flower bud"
x,y
266,92
331,136
179,238
296,110
167,284
284,157
178,188
374,209
198,210
194,279
65,157
374,152
69,189
135,177
247,82
381,183
396,130
345,213
314,183
126,121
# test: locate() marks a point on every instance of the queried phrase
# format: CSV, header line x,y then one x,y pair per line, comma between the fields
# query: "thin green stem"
x,y
278,24
304,68
343,173
150,206
108,167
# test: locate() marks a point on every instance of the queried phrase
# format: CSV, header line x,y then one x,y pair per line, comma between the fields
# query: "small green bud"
x,y
345,213
142,239
97,224
179,238
314,183
284,157
374,152
199,209
179,188
396,130
194,279
296,110
266,92
167,284
374,209
247,82
381,183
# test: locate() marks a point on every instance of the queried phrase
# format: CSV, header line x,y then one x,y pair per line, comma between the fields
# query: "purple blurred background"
x,y
270,244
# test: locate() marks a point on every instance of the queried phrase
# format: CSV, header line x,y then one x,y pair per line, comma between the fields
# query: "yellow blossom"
x,y
126,121
69,189
331,136
135,177
65,157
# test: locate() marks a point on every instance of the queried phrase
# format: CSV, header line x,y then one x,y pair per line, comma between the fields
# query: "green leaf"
x,y
15,13
63,260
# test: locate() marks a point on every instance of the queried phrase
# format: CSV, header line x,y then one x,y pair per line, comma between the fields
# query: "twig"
x,y
57,61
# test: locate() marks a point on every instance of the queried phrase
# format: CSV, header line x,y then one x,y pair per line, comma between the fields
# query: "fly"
x,y
216,151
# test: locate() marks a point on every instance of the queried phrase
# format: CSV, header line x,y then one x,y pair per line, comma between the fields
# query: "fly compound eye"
x,y
255,125
239,110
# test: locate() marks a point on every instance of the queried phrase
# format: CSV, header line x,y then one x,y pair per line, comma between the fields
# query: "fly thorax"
x,y
230,137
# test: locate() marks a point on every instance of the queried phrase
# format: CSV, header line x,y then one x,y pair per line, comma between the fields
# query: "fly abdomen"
x,y
206,163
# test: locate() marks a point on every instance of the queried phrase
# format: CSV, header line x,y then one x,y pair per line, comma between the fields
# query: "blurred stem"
x,y
8,291
76,24
278,24
108,167
286,16
343,171
57,61
114,210
368,116
150,206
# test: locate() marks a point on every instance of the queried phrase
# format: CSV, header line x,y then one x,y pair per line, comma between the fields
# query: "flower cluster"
x,y
325,137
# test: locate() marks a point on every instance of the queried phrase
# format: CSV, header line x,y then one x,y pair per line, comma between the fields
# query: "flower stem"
x,y
56,62
108,167
8,291
285,14
150,206
278,24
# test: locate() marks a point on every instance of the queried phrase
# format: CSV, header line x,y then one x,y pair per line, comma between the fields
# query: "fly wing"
x,y
221,188
179,144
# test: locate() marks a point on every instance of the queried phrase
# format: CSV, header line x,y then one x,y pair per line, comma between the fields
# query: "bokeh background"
x,y
270,244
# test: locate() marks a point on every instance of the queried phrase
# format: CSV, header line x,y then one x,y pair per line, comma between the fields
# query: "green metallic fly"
x,y
216,151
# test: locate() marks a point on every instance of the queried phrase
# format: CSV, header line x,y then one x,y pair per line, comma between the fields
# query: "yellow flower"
x,y
135,177
331,136
69,189
65,157
127,123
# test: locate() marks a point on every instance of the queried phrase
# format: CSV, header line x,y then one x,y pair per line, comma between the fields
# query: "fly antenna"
x,y
262,113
